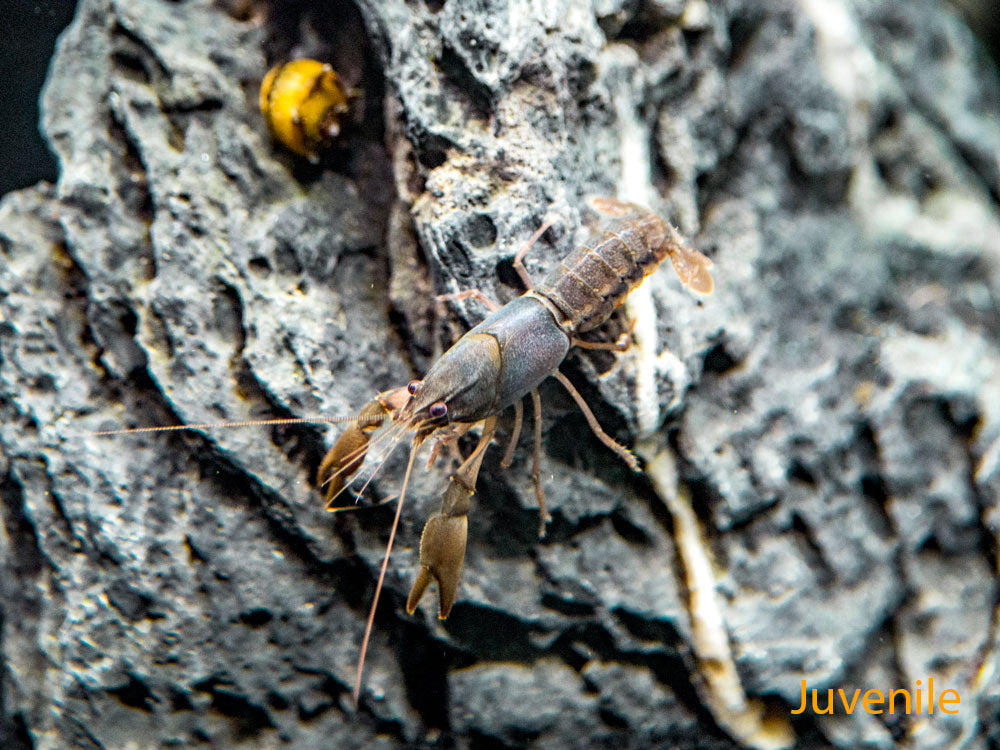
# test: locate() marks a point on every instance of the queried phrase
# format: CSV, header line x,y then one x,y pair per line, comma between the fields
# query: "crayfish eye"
x,y
438,409
412,387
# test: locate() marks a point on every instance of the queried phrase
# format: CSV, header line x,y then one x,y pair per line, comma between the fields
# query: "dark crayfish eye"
x,y
412,387
438,409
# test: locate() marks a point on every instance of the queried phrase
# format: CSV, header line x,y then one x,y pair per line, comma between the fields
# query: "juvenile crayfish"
x,y
497,363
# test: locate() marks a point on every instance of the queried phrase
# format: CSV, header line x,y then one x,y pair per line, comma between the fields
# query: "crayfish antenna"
x,y
381,575
219,425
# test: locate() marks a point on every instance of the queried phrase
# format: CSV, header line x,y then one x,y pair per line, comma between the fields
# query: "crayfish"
x,y
494,366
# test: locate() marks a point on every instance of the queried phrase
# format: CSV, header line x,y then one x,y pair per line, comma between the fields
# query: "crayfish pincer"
x,y
495,365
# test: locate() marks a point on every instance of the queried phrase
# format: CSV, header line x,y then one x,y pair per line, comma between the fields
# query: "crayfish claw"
x,y
420,584
442,551
442,545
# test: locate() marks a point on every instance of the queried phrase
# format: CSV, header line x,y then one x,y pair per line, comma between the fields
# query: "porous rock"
x,y
835,404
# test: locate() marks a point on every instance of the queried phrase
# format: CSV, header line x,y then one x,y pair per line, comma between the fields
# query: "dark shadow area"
x,y
31,31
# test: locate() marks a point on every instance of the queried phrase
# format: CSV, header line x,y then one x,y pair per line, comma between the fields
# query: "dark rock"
x,y
834,406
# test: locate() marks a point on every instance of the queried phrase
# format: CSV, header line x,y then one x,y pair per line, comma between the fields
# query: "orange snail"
x,y
302,102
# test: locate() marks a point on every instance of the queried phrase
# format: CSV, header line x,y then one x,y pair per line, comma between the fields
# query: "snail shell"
x,y
303,101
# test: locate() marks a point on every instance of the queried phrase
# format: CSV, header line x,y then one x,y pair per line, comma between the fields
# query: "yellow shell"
x,y
302,102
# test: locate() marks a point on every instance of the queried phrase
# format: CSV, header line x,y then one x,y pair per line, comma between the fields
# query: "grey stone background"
x,y
834,407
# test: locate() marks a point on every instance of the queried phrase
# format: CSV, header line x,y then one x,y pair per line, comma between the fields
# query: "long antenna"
x,y
381,574
217,425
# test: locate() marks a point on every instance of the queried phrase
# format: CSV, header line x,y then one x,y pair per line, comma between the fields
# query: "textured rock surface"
x,y
835,405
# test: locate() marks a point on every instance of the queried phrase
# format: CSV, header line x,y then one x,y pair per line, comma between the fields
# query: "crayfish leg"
x,y
518,262
536,463
508,456
595,426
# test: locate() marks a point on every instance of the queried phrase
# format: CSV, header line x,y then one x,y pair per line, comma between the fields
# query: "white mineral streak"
x,y
743,718
635,185
740,717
